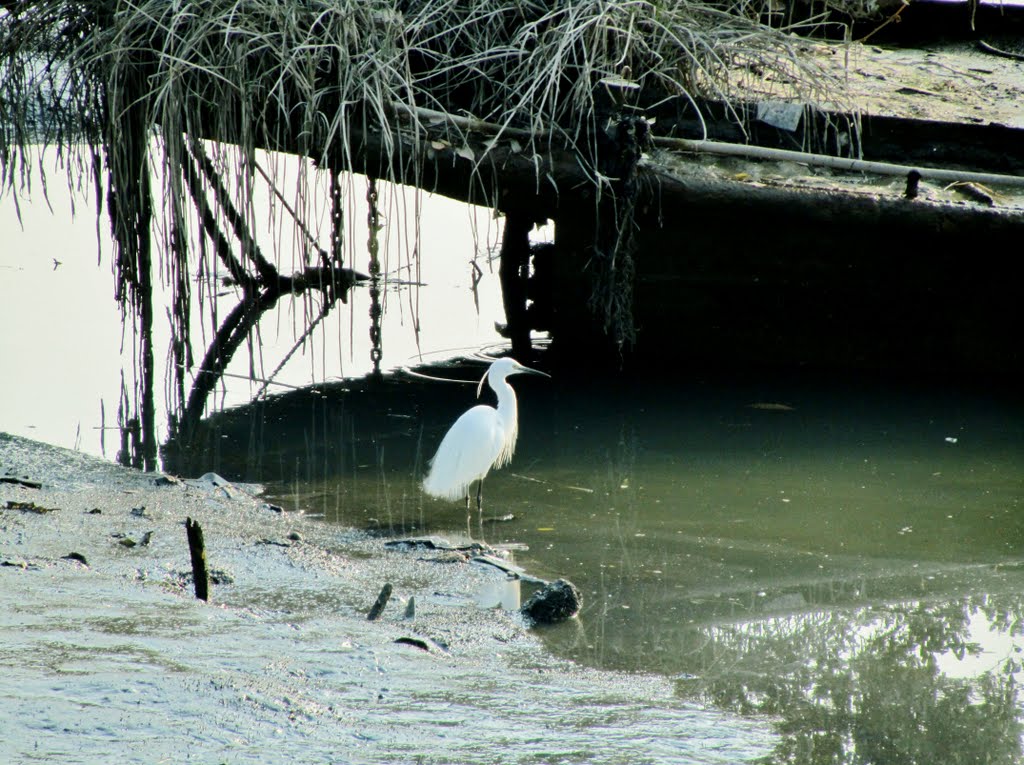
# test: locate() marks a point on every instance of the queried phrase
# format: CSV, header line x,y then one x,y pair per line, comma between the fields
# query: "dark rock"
x,y
554,603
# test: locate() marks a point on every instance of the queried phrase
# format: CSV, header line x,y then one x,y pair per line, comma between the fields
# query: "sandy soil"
x,y
114,660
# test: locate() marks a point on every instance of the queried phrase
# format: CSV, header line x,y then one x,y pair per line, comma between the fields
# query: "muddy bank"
x,y
114,660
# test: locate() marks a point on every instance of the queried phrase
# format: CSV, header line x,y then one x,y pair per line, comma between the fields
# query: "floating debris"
x,y
771,406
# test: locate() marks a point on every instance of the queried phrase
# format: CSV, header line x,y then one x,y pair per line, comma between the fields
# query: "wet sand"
x,y
114,660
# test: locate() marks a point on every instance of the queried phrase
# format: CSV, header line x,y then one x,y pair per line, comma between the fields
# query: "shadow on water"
x,y
844,559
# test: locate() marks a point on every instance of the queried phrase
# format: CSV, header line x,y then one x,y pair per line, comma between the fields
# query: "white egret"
x,y
482,438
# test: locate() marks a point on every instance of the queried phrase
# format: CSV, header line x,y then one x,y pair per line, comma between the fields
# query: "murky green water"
x,y
847,560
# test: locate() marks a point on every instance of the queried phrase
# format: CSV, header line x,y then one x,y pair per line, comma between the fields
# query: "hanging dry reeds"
x,y
306,74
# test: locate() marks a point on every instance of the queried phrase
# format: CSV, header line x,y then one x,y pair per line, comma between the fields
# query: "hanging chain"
x,y
334,262
373,223
337,221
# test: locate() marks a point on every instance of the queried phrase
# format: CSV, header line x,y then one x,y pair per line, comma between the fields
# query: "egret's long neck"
x,y
508,413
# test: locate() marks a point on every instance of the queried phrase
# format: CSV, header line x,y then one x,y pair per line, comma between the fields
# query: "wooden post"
x,y
512,271
382,600
197,549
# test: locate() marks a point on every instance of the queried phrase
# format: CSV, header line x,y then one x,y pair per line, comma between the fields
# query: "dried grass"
x,y
265,73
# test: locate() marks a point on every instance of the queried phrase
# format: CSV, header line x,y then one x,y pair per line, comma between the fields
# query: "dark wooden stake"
x,y
513,272
382,600
198,551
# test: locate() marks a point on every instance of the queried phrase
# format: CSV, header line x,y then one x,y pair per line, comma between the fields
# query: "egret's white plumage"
x,y
482,438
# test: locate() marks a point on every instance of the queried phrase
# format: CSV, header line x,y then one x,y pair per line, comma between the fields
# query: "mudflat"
x,y
106,655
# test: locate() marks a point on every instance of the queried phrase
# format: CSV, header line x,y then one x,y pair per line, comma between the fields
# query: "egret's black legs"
x,y
479,509
480,506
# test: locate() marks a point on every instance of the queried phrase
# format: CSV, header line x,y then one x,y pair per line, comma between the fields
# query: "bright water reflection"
x,y
59,321
846,560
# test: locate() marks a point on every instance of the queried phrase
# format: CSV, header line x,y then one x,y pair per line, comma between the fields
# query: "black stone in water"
x,y
554,603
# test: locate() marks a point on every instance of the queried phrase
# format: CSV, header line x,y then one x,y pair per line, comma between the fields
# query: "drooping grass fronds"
x,y
304,74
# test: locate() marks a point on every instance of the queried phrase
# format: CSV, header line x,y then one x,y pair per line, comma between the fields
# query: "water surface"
x,y
844,558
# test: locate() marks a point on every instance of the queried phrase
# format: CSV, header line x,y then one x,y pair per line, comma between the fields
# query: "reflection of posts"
x,y
261,287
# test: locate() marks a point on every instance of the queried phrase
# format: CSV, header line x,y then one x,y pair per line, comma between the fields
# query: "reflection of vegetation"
x,y
868,687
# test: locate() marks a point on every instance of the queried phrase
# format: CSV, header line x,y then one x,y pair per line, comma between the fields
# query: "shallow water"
x,y
843,559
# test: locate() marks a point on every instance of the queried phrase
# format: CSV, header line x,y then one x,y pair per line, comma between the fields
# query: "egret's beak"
x,y
518,369
530,371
